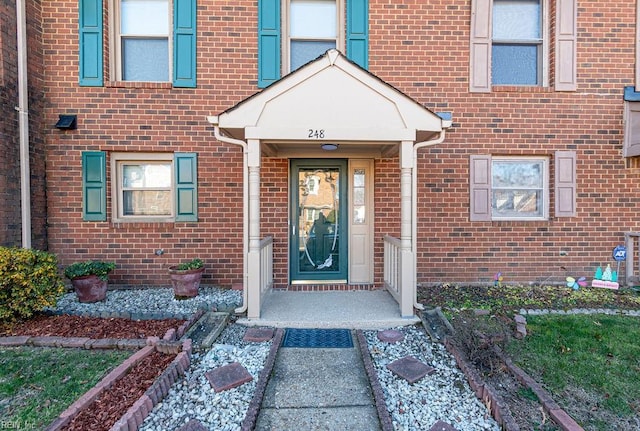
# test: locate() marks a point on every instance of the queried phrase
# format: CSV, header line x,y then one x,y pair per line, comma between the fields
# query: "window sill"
x,y
137,84
520,89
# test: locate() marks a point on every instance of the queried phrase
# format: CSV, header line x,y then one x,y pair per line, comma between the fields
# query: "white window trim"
x,y
545,187
286,39
544,47
116,197
115,43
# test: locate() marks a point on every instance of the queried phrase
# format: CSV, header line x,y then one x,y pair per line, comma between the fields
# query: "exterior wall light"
x,y
329,147
67,122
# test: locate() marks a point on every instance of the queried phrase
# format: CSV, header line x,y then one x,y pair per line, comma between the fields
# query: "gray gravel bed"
x,y
444,395
193,398
150,303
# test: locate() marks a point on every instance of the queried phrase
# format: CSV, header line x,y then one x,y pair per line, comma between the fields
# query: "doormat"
x,y
322,338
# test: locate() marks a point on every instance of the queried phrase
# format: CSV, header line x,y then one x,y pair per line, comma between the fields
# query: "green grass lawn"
x,y
37,384
590,364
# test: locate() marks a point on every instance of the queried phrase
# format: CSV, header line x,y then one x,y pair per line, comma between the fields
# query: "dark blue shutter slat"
x,y
268,42
358,32
186,176
90,50
94,186
184,43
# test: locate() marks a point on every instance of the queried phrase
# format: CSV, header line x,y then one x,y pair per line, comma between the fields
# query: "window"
x,y
516,51
510,44
517,188
144,189
313,30
149,41
142,41
160,187
293,32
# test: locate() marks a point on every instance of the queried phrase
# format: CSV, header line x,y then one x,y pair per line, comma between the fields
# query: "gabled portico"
x,y
330,100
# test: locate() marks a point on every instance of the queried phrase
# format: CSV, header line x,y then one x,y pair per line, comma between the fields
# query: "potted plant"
x,y
185,278
89,279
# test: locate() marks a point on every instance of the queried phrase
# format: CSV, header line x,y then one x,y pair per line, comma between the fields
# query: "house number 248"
x,y
316,133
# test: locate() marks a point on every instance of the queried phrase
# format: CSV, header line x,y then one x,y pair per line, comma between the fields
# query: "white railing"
x,y
266,264
632,244
392,266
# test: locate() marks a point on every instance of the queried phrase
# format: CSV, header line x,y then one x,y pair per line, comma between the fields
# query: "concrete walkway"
x,y
315,389
375,309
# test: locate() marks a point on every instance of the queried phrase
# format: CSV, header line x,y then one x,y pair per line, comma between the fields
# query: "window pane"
x,y
313,19
517,203
144,17
145,60
303,52
517,174
516,20
146,203
514,65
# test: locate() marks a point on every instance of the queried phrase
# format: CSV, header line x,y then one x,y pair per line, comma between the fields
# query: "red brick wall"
x,y
421,48
10,177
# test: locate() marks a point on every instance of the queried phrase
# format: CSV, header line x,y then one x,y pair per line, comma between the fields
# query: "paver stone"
x,y
228,377
410,369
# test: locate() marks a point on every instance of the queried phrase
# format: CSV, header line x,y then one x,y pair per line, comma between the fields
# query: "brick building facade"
x,y
533,219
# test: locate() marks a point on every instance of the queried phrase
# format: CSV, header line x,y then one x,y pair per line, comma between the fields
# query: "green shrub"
x,y
90,267
29,282
192,264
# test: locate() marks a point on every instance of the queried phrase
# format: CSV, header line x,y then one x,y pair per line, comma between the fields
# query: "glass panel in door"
x,y
318,222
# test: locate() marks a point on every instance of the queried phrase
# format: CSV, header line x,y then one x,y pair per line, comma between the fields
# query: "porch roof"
x,y
330,99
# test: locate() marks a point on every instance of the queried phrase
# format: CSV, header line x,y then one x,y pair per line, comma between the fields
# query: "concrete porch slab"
x,y
375,309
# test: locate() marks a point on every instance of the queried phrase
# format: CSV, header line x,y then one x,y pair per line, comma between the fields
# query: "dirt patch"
x,y
114,403
91,327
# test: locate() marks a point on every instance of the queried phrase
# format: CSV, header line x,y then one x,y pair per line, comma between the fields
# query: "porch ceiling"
x,y
331,99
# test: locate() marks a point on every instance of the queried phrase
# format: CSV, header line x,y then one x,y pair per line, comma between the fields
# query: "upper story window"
x,y
510,44
313,30
292,33
142,40
149,41
516,57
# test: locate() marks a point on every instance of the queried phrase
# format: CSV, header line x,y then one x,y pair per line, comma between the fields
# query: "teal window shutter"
x,y
268,42
358,32
94,186
186,175
184,43
90,60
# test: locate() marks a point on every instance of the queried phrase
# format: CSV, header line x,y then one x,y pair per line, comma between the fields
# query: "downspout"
x,y
414,186
23,123
213,119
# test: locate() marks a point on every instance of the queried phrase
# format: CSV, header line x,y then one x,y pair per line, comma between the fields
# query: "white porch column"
x,y
253,255
407,259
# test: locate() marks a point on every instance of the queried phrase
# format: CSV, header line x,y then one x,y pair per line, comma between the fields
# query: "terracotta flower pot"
x,y
185,282
90,288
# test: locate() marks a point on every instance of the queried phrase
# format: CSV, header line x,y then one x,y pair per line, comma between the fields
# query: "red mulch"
x,y
113,403
92,327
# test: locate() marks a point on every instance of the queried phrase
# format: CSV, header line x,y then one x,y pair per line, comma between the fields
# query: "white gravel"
x,y
194,398
444,395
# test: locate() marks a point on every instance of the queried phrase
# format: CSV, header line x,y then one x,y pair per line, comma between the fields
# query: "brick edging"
x,y
140,409
560,417
251,417
378,396
483,391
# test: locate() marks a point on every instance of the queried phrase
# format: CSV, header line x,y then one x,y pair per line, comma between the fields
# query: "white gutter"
x,y
23,123
414,199
213,119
